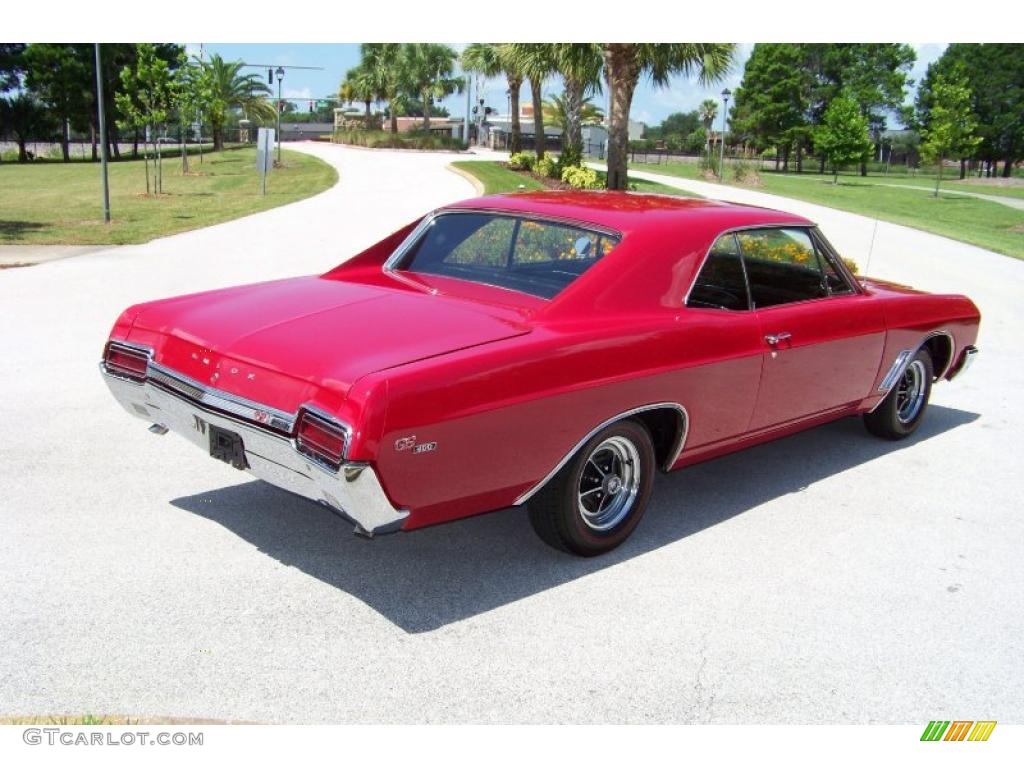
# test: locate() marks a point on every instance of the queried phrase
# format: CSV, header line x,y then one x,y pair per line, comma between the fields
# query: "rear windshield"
x,y
536,257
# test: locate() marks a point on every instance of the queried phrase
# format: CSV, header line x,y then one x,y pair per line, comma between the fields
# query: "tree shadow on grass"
x,y
12,230
429,578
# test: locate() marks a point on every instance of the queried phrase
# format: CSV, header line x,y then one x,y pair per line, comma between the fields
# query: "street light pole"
x,y
725,114
280,77
103,135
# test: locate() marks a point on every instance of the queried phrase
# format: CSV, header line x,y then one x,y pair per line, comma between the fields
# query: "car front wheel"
x,y
593,504
902,410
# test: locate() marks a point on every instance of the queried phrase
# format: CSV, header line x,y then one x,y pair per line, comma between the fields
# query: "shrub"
x,y
521,161
850,264
571,155
386,139
744,172
581,178
547,166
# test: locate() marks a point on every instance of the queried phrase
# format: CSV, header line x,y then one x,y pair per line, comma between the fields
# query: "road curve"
x,y
827,578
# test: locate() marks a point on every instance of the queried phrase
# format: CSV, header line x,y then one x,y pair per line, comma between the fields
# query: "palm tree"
x,y
557,111
708,111
229,89
580,67
358,86
494,60
537,62
432,73
387,69
624,63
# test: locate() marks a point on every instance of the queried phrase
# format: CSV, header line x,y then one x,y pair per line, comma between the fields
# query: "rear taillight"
x,y
126,361
320,439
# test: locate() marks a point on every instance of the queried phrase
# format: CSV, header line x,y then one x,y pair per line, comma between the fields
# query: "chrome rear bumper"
x,y
966,358
354,490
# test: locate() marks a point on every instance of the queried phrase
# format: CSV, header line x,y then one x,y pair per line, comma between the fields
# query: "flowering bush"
x,y
546,166
581,178
521,161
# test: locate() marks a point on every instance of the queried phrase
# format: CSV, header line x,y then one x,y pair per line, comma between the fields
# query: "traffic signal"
x,y
270,77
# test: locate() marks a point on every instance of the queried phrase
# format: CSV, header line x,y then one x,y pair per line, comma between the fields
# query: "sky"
x,y
650,104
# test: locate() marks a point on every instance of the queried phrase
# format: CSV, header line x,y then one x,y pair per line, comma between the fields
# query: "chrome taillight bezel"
x,y
117,353
318,451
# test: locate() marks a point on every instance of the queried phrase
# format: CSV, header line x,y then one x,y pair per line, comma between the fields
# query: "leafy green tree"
x,y
773,102
843,136
432,74
24,117
229,90
11,65
625,63
360,86
495,60
708,111
994,74
61,75
390,72
537,62
580,67
148,96
950,130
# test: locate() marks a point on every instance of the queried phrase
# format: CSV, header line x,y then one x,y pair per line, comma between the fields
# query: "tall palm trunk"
x,y
622,72
369,116
538,117
572,146
426,110
515,143
394,115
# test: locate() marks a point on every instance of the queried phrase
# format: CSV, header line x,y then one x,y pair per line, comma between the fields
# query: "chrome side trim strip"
x,y
218,399
896,370
676,451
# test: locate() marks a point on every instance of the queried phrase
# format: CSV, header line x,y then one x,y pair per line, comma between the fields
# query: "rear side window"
x,y
533,256
722,281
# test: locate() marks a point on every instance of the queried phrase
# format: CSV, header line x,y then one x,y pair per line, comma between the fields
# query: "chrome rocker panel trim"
x,y
354,490
677,449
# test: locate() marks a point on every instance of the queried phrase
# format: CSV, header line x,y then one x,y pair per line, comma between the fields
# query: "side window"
x,y
721,282
782,266
543,241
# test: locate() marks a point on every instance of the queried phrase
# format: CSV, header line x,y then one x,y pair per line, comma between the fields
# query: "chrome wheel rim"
x,y
609,484
910,392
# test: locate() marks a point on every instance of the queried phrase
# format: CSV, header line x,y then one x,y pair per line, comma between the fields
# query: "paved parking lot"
x,y
829,577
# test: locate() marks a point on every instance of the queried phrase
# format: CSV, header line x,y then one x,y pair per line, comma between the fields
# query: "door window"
x,y
722,282
782,266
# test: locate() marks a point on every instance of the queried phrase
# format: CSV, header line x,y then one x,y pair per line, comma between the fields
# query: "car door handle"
x,y
775,338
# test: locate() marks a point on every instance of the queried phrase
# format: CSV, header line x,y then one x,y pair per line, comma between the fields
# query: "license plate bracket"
x,y
227,446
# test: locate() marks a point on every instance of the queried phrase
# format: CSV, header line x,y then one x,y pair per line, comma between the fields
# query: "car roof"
x,y
629,211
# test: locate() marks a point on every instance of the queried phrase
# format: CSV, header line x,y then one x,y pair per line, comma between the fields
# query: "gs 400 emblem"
x,y
409,443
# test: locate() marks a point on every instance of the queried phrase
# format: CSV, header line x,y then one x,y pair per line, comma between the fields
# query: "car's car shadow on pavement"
x,y
428,578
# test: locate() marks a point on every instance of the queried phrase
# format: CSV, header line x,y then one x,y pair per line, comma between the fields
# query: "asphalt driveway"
x,y
827,578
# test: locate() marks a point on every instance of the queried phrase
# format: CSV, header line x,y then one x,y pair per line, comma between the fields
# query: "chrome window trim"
x,y
733,231
677,449
824,247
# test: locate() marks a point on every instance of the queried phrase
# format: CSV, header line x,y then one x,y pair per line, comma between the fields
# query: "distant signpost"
x,y
264,154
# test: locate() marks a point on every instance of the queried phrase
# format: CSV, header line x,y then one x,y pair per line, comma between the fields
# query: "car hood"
x,y
278,343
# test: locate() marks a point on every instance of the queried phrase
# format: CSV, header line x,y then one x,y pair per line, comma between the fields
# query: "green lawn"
x,y
496,179
61,203
970,220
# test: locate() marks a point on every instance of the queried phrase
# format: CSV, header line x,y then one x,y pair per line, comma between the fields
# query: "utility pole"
x,y
103,134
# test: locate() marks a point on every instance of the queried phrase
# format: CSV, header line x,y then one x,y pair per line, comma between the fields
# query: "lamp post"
x,y
280,76
725,114
103,134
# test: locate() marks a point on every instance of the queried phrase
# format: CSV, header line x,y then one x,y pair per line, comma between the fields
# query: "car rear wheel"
x,y
593,504
902,410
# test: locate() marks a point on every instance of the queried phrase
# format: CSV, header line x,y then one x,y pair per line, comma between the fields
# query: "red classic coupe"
x,y
551,349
